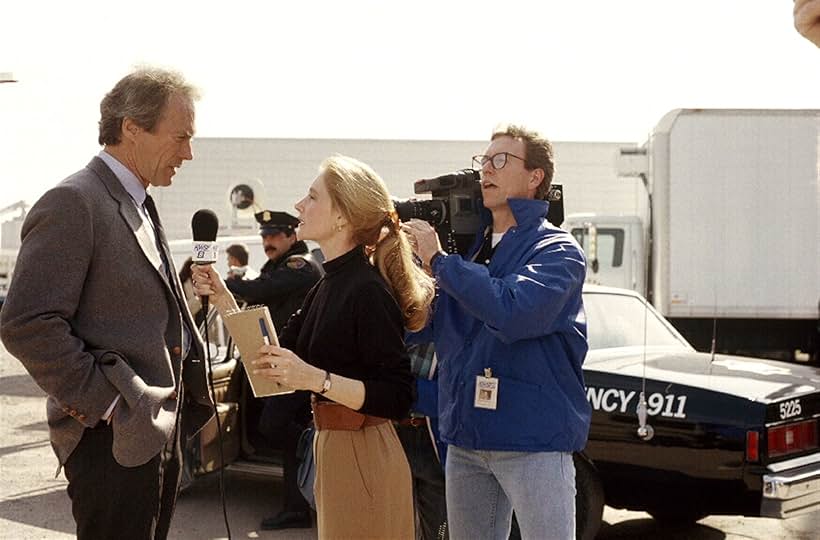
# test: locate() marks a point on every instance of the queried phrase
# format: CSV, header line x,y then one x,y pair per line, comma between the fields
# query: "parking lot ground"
x,y
34,504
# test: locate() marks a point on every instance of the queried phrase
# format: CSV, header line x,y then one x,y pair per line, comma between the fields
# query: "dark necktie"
x,y
162,243
165,253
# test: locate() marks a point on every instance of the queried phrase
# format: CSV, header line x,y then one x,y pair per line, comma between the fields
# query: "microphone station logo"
x,y
205,252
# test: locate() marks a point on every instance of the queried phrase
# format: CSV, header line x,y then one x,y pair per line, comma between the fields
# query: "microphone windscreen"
x,y
204,225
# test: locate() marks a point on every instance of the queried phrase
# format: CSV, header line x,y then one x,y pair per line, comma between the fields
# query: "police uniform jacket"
x,y
282,284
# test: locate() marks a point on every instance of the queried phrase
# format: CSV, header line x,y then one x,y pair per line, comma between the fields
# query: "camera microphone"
x,y
204,226
464,178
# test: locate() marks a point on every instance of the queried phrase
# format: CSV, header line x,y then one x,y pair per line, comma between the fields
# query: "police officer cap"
x,y
271,222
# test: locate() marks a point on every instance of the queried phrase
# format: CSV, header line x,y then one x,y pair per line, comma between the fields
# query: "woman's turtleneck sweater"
x,y
351,325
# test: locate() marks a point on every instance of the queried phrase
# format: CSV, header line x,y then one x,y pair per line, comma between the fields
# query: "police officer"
x,y
287,276
284,281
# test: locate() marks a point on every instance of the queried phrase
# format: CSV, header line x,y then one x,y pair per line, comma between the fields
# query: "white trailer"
x,y
731,227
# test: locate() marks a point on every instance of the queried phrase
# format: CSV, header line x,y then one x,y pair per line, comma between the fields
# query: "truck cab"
x,y
614,246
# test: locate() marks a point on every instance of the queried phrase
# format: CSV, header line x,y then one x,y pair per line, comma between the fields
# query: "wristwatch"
x,y
327,384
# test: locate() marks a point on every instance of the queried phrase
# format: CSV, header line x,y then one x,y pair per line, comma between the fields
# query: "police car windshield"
x,y
616,320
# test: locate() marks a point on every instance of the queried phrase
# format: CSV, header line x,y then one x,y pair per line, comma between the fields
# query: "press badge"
x,y
486,390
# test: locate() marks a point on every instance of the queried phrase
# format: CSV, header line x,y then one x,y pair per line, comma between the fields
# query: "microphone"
x,y
204,226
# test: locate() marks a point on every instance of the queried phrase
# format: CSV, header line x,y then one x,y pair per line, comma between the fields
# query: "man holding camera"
x,y
510,334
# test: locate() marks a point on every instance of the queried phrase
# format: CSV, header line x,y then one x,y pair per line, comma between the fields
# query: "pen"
x,y
264,328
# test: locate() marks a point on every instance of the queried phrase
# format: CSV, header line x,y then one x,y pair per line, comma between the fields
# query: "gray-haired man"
x,y
96,315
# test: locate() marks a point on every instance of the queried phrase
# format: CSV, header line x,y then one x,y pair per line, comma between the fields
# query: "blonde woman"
x,y
346,345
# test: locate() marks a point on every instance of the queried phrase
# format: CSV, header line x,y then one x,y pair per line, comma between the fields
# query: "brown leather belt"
x,y
416,421
328,415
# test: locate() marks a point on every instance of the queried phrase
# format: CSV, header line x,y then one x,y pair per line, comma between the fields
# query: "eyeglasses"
x,y
498,160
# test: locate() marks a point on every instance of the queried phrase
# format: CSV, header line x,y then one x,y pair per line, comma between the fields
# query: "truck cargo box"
x,y
736,197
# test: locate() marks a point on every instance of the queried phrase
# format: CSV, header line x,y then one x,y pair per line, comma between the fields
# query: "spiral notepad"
x,y
250,329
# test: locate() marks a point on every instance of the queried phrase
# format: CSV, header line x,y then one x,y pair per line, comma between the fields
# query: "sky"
x,y
595,70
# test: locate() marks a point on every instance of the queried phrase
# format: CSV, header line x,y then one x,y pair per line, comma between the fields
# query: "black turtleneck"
x,y
351,325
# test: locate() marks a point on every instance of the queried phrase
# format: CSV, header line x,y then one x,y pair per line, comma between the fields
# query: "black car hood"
x,y
757,379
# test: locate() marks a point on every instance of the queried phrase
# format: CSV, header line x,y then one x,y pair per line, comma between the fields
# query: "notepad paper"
x,y
250,329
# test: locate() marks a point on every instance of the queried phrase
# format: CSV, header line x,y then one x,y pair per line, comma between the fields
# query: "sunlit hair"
x,y
361,196
537,154
141,96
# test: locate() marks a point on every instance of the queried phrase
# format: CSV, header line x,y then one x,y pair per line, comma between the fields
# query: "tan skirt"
x,y
363,487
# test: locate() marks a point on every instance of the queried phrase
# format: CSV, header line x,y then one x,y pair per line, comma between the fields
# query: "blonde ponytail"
x,y
361,196
412,287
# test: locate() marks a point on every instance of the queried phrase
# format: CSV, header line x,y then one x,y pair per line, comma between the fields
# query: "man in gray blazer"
x,y
95,313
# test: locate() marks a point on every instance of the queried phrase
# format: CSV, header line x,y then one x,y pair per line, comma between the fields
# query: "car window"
x,y
616,320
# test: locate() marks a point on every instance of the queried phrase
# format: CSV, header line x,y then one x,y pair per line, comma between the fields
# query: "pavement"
x,y
34,503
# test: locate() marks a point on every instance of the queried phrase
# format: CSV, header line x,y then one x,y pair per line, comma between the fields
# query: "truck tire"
x,y
589,499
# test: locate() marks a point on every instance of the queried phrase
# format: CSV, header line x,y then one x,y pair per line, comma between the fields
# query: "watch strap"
x,y
327,384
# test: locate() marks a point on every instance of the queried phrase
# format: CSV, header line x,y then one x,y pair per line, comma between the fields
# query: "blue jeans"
x,y
483,488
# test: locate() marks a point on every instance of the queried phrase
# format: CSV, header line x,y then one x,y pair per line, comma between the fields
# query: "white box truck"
x,y
728,241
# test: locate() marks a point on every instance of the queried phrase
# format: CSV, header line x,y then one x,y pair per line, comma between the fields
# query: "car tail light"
x,y
752,446
792,438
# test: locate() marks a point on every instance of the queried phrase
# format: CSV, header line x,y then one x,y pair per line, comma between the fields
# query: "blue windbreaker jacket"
x,y
523,317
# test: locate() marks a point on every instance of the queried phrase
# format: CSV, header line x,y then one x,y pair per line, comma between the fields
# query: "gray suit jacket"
x,y
91,315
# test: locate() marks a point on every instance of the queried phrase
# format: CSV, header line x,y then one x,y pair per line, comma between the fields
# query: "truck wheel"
x,y
589,499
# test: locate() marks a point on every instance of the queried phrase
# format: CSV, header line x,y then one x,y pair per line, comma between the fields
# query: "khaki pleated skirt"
x,y
363,486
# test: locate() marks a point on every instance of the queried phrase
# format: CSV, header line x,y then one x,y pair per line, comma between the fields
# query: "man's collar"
x,y
127,178
526,210
298,248
523,210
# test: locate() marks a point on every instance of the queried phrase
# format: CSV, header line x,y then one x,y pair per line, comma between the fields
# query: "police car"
x,y
720,434
716,434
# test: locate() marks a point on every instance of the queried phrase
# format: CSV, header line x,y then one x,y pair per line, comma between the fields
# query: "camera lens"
x,y
433,211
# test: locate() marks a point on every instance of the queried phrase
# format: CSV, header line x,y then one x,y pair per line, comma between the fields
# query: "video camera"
x,y
455,208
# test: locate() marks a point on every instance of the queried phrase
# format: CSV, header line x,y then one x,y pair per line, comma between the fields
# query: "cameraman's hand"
x,y
807,19
423,239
